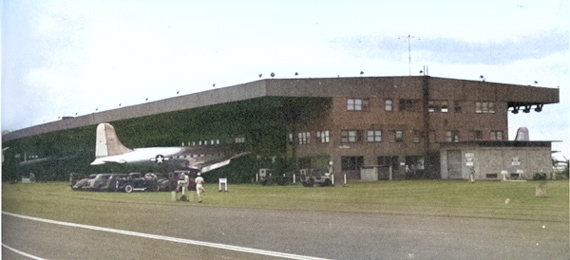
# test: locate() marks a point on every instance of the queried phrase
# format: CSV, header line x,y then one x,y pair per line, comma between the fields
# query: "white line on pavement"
x,y
171,239
22,253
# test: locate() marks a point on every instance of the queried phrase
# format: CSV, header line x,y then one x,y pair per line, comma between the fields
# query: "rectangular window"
x,y
353,104
438,106
412,105
304,138
398,135
351,136
474,135
496,135
374,136
323,137
388,105
484,107
452,136
444,107
351,163
417,136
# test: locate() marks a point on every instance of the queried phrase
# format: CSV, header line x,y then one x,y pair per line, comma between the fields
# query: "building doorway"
x,y
454,164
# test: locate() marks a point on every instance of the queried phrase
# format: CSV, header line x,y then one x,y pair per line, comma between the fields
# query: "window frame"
x,y
494,135
398,135
357,104
388,105
323,137
304,137
350,136
485,107
373,136
451,136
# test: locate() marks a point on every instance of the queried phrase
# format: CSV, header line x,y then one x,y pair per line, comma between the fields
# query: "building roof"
x,y
398,87
501,143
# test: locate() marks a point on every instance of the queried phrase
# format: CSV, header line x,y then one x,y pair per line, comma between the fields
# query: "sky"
x,y
76,57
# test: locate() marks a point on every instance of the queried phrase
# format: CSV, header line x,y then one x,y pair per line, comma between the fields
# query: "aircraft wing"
x,y
222,163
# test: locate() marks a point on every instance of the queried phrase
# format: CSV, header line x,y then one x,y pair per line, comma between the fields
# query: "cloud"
x,y
455,50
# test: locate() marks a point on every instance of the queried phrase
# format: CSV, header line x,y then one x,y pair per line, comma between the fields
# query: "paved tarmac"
x,y
331,235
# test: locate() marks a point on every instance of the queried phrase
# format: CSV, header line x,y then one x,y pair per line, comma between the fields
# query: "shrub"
x,y
539,176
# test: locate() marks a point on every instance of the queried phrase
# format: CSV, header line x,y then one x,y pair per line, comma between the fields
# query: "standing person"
x,y
199,186
183,180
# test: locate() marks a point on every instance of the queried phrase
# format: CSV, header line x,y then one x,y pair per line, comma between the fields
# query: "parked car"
x,y
310,177
135,182
95,182
116,182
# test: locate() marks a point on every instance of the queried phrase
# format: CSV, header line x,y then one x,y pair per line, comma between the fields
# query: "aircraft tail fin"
x,y
108,143
522,134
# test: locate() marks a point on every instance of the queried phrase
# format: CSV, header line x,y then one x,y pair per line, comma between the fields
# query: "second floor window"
x,y
356,104
323,137
373,136
388,105
350,136
451,136
304,138
496,135
417,136
484,107
398,135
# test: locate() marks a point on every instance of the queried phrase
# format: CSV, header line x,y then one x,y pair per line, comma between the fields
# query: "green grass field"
x,y
484,199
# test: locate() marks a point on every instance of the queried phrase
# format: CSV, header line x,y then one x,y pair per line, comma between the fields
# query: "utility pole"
x,y
408,38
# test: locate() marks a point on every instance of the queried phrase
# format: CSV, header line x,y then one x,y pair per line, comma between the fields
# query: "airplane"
x,y
109,149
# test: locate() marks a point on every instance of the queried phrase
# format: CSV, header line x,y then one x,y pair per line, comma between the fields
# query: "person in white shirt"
x,y
199,186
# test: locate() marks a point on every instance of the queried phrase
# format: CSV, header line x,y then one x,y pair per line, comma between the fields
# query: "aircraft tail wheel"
x,y
129,188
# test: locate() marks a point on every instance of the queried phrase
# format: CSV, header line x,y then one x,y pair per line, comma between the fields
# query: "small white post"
x,y
345,179
332,178
294,178
223,184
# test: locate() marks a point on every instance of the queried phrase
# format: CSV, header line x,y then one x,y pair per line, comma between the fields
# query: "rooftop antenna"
x,y
425,71
408,38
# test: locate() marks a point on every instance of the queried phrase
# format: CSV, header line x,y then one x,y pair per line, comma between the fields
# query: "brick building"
x,y
404,124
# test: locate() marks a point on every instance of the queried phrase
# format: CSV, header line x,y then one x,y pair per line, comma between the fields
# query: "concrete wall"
x,y
491,160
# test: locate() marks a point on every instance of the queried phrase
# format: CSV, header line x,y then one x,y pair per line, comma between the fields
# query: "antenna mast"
x,y
409,37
